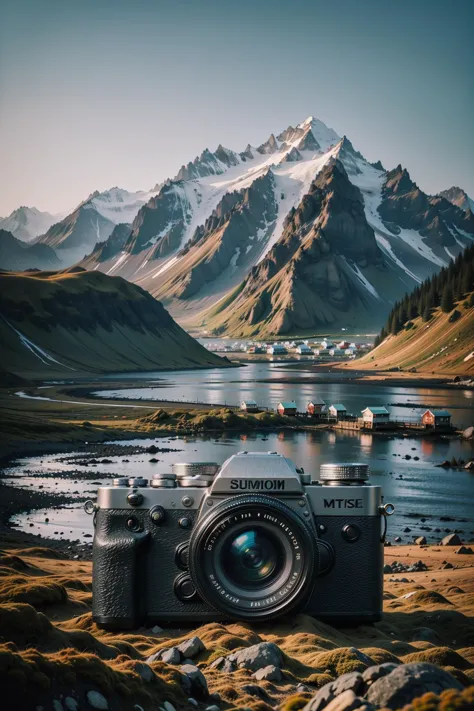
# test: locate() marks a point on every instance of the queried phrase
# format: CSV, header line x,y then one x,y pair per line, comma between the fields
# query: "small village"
x,y
312,349
371,418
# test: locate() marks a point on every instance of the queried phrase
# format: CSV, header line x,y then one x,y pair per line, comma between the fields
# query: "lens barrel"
x,y
253,557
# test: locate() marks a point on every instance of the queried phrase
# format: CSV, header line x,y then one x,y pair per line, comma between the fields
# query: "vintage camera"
x,y
253,539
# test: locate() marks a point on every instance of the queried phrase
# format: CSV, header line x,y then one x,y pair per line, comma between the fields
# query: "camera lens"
x,y
253,557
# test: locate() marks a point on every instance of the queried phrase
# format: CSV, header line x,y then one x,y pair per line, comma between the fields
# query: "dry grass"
x,y
50,646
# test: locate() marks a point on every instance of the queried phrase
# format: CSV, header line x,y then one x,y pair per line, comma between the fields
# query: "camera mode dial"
x,y
352,473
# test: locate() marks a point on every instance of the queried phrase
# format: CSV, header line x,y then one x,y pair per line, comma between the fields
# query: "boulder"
x,y
420,541
371,674
171,656
464,550
408,681
269,673
257,656
97,700
451,540
194,681
191,647
468,433
145,672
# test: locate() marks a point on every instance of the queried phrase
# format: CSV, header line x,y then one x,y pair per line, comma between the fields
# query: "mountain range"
x,y
296,234
26,223
57,324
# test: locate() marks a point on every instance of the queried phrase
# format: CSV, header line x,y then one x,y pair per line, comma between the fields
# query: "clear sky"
x,y
97,93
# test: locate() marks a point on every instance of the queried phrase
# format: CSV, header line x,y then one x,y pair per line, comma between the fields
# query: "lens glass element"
x,y
252,558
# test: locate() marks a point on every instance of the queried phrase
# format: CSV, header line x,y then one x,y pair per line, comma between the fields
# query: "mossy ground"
x,y
49,645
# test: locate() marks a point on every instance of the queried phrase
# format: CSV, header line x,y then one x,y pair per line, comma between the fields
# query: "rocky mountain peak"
x,y
270,146
399,181
457,196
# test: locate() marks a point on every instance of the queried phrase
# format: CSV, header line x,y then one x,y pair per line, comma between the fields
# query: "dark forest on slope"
x,y
452,284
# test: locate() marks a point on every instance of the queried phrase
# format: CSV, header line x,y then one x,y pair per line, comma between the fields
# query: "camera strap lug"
x,y
385,510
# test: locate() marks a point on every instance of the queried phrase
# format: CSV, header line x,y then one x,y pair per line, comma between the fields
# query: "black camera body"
x,y
251,540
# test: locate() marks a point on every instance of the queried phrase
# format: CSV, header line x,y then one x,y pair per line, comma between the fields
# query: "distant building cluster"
x,y
374,417
322,350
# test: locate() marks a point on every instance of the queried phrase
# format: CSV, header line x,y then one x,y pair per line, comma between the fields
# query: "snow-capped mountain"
x,y
26,223
458,196
296,233
92,221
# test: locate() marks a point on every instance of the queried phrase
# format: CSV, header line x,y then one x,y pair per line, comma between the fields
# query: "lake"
x,y
261,381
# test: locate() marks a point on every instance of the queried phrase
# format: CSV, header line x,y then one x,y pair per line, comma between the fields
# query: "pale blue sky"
x,y
96,93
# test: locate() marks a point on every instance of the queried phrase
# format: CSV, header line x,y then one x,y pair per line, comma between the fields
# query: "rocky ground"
x,y
420,657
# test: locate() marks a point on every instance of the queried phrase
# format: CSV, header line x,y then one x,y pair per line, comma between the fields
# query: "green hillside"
x,y
65,323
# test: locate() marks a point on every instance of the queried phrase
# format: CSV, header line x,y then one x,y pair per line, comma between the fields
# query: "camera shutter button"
x,y
135,498
351,532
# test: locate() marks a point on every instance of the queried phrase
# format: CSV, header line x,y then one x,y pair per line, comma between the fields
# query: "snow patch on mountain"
x,y
119,205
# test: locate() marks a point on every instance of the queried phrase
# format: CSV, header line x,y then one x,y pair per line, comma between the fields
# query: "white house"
x,y
276,349
249,406
304,349
373,416
338,410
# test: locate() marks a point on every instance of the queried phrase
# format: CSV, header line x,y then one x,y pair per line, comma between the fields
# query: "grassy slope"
x,y
437,346
50,648
90,322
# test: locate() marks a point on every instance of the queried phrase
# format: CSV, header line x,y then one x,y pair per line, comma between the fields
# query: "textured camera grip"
x,y
116,570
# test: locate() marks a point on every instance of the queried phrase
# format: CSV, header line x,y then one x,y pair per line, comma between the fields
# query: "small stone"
x,y
71,704
57,705
217,662
268,673
192,701
464,550
156,630
420,541
97,700
215,696
191,647
406,530
213,707
387,568
171,656
397,539
168,706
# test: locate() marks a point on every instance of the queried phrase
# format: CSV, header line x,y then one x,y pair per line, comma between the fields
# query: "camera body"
x,y
251,540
